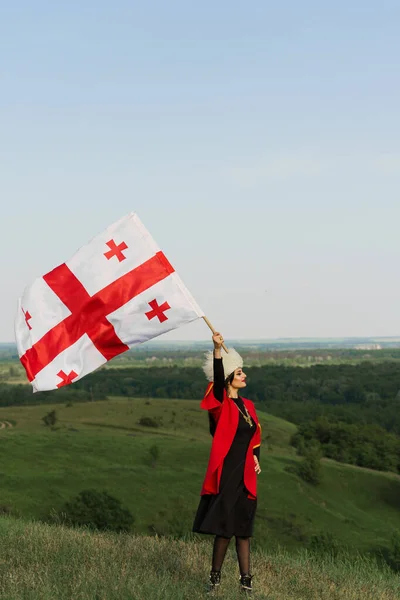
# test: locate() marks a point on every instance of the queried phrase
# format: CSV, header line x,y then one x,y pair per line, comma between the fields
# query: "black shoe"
x,y
215,580
245,584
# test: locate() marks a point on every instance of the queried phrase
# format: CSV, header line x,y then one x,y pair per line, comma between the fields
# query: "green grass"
x,y
100,445
42,562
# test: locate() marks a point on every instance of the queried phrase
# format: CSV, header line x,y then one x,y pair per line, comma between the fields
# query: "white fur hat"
x,y
230,362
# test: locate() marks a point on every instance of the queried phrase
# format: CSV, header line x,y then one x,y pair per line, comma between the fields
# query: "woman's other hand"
x,y
257,467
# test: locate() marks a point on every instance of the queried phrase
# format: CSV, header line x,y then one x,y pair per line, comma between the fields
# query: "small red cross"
x,y
158,311
27,317
66,379
115,250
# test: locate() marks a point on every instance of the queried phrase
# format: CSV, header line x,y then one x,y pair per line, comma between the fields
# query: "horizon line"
x,y
257,340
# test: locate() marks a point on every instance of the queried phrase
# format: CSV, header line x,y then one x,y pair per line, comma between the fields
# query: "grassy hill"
x,y
101,445
42,562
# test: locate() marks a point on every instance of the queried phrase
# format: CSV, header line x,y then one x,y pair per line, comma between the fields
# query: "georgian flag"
x,y
117,291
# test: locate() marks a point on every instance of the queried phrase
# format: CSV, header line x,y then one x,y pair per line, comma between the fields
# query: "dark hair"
x,y
229,380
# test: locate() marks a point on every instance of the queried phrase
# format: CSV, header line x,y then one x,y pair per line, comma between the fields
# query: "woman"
x,y
229,493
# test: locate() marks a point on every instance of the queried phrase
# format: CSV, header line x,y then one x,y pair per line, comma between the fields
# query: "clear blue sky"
x,y
258,141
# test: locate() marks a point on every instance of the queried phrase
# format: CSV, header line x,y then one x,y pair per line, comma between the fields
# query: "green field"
x,y
100,445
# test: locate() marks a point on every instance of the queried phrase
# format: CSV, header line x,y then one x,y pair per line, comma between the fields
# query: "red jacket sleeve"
x,y
211,404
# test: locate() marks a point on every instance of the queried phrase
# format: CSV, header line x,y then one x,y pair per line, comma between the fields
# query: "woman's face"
x,y
239,379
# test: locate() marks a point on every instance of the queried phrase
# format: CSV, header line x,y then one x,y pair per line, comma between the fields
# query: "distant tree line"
x,y
362,445
367,393
363,394
19,395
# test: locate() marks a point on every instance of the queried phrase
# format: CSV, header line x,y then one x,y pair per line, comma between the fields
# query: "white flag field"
x,y
117,291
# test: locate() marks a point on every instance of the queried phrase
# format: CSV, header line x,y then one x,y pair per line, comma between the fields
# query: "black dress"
x,y
230,512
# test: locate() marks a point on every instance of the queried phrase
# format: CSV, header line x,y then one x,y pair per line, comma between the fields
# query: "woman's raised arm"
x,y
219,378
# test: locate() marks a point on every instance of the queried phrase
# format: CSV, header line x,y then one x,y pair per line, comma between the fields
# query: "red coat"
x,y
226,416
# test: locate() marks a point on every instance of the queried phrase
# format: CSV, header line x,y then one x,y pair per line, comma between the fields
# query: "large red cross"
x,y
115,250
158,311
27,317
89,312
66,379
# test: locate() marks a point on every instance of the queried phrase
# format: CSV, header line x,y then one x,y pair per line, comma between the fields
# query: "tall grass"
x,y
44,562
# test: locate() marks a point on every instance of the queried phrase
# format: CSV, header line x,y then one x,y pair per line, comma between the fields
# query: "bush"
x,y
98,510
309,469
393,552
324,543
148,422
5,509
50,419
154,454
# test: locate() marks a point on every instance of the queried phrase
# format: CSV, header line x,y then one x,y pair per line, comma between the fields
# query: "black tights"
x,y
242,550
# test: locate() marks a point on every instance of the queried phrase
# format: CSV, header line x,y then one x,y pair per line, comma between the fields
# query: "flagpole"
x,y
213,330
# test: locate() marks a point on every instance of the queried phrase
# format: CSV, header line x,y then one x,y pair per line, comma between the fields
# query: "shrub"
x,y
5,509
309,469
393,552
98,510
148,422
324,543
50,419
154,454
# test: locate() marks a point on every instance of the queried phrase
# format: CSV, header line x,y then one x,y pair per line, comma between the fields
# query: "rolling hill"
x,y
101,445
